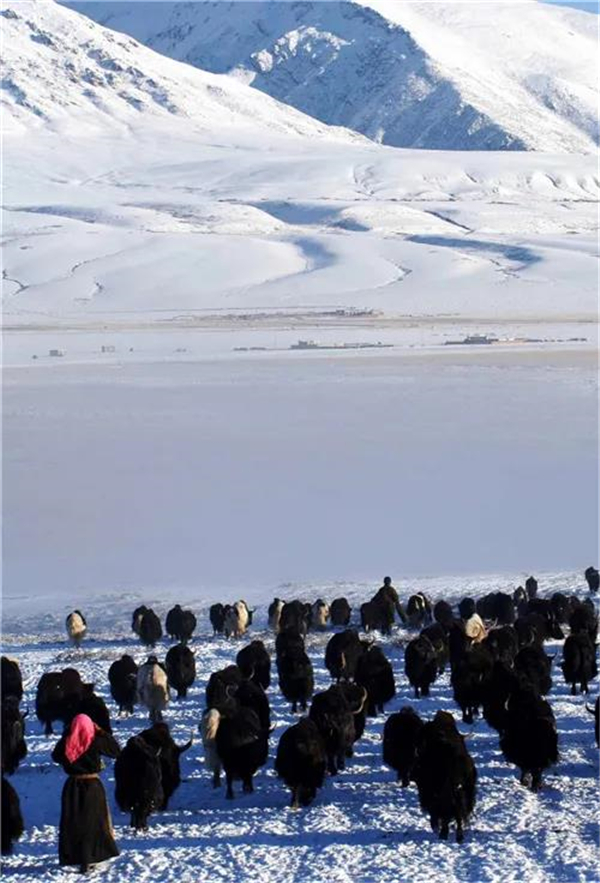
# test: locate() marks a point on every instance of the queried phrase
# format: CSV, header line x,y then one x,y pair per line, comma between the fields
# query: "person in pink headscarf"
x,y
86,835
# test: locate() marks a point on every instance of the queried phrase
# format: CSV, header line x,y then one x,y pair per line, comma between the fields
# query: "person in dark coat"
x,y
86,835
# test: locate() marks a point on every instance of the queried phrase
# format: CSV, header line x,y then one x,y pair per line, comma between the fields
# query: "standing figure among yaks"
x,y
85,834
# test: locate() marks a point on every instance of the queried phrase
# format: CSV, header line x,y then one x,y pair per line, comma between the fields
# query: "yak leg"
x,y
229,794
444,831
526,778
536,780
247,786
216,777
460,834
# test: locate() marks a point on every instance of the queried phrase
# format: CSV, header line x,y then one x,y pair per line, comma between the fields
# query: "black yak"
x,y
469,678
340,612
401,735
342,653
579,661
216,615
529,739
180,624
255,663
420,665
138,781
334,718
242,746
418,610
150,629
159,739
534,666
122,676
11,678
296,678
301,761
445,775
181,669
14,747
592,577
12,820
375,674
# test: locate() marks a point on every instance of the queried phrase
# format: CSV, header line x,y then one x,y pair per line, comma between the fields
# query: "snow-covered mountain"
x,y
452,75
63,72
138,188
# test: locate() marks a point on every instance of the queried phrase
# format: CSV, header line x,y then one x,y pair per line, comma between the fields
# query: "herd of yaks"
x,y
494,646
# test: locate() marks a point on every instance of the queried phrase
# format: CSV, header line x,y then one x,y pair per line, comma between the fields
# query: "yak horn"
x,y
362,704
343,661
188,744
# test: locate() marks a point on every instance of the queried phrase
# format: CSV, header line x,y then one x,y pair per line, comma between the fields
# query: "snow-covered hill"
x,y
131,180
63,72
453,75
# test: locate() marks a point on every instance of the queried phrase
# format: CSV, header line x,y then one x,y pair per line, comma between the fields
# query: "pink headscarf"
x,y
81,735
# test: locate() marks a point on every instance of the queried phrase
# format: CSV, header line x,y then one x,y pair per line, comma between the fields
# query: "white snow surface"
x,y
363,826
140,191
70,75
170,215
514,74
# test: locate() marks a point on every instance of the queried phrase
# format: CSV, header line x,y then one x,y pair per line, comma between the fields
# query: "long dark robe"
x,y
85,836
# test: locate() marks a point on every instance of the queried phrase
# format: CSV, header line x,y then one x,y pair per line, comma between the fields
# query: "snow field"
x,y
363,826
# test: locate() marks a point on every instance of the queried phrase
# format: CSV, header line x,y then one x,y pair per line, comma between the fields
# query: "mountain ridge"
x,y
409,75
65,72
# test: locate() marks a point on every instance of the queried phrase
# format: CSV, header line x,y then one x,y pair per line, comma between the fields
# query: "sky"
x,y
586,5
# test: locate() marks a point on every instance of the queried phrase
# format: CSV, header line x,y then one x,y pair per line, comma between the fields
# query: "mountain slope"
x,y
453,75
140,191
63,72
